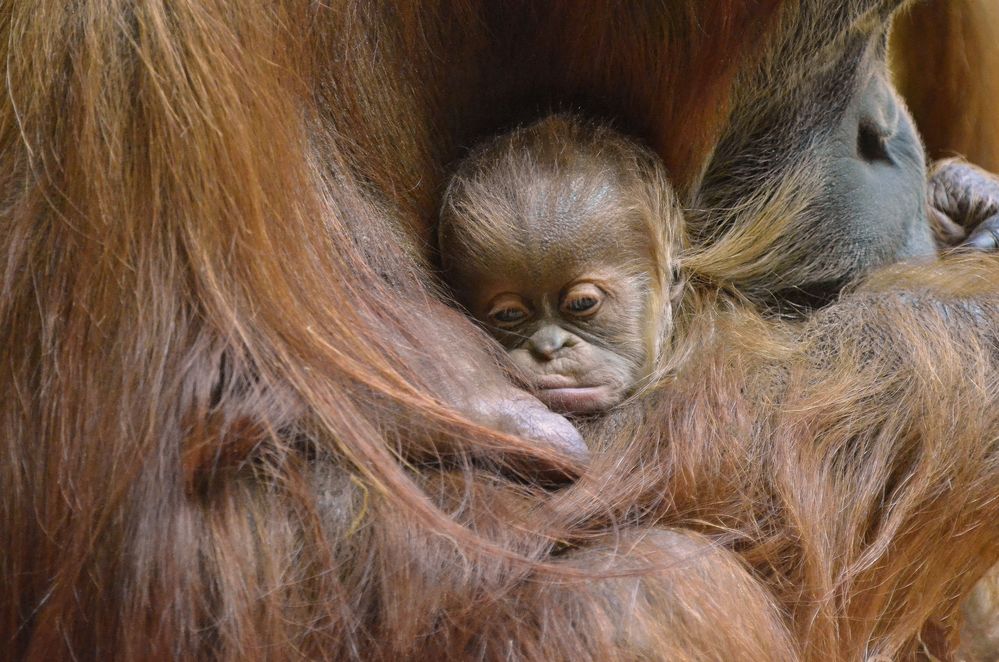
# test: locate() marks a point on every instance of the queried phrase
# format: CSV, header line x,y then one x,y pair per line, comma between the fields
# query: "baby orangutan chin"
x,y
560,238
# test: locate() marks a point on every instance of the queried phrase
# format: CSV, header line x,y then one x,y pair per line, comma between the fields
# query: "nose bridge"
x,y
548,340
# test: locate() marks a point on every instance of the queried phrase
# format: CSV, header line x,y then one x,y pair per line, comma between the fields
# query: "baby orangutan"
x,y
560,238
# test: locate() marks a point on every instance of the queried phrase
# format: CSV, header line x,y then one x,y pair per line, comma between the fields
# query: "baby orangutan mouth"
x,y
565,396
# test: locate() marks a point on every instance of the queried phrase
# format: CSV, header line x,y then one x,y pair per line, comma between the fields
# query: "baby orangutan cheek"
x,y
580,380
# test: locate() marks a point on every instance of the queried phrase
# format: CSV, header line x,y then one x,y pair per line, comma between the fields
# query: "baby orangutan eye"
x,y
508,310
582,300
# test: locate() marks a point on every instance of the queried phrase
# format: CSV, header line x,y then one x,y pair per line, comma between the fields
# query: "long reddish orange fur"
x,y
220,436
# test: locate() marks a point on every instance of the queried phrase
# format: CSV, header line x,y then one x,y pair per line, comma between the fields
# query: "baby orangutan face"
x,y
576,329
550,236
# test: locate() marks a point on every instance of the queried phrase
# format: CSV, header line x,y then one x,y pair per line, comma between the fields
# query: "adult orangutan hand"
x,y
964,205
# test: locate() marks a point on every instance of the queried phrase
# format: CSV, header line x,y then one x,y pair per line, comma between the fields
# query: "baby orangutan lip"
x,y
576,399
556,382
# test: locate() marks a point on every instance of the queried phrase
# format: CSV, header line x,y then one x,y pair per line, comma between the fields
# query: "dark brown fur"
x,y
232,420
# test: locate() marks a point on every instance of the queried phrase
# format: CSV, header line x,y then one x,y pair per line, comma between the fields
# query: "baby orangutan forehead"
x,y
572,212
552,222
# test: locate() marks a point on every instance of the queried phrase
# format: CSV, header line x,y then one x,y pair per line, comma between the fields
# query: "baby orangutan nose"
x,y
548,341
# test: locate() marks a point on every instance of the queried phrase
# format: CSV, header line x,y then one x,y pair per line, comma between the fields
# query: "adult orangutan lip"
x,y
577,399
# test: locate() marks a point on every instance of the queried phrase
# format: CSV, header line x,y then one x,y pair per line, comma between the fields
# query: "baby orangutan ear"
x,y
665,302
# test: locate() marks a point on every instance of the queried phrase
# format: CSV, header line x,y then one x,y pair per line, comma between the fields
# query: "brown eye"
x,y
582,300
582,304
508,310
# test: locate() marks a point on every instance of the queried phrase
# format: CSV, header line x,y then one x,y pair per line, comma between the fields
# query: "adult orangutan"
x,y
239,423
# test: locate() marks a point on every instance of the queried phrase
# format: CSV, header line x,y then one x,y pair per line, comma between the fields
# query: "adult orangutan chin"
x,y
239,423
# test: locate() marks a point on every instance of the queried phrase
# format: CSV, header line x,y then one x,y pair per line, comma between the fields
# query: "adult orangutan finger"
x,y
530,419
985,237
946,231
516,412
